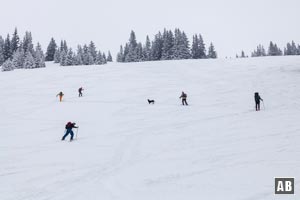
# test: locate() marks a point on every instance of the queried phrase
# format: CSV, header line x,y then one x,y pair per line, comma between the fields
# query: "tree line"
x,y
84,55
165,46
273,50
16,53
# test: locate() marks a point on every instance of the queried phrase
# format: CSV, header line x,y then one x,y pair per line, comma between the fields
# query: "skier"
x,y
80,91
61,94
183,97
257,99
69,127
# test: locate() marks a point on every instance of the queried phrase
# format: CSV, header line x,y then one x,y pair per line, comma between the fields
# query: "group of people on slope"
x,y
183,97
61,94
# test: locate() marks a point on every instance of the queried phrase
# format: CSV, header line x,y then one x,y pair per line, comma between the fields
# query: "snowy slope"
x,y
216,148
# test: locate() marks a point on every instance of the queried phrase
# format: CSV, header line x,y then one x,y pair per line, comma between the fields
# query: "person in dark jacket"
x,y
80,92
69,127
257,99
183,97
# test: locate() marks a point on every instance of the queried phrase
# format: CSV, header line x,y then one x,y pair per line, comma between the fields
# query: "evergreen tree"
x,y
15,41
126,52
99,60
39,57
202,50
181,46
132,56
243,54
1,51
78,57
27,43
7,66
51,49
104,58
147,50
18,58
57,56
63,58
195,47
85,55
274,50
211,51
69,58
120,56
7,48
92,52
168,44
157,47
109,57
29,62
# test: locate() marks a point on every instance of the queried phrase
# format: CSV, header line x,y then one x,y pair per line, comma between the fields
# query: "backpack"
x,y
68,125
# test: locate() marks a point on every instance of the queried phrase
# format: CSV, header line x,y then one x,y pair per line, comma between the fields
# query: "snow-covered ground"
x,y
216,148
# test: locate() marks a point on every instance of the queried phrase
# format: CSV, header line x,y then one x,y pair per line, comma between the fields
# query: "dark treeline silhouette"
x,y
165,46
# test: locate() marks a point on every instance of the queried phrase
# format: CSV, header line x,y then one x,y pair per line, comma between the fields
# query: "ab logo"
x,y
284,185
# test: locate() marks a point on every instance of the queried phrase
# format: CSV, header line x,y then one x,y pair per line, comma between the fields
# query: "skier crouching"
x,y
69,127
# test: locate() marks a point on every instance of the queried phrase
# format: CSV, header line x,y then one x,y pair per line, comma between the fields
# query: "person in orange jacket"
x,y
61,94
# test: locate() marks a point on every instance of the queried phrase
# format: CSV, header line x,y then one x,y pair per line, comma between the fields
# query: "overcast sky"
x,y
232,25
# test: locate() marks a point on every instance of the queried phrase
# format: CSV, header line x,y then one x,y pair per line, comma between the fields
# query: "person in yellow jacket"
x,y
61,94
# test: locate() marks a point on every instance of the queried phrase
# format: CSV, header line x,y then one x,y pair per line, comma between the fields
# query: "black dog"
x,y
151,101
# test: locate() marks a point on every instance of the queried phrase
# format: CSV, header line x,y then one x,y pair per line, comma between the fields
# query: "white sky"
x,y
232,25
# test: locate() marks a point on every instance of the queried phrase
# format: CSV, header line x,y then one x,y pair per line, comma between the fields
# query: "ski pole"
x,y
264,105
77,132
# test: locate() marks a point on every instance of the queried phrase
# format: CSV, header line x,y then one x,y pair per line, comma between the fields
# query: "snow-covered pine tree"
x,y
78,56
104,58
168,43
92,52
157,47
211,51
27,43
132,49
243,54
1,51
7,66
57,56
15,41
109,57
18,58
126,52
147,50
139,52
99,60
7,48
69,58
195,47
120,56
39,57
51,49
63,58
85,55
29,62
202,49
